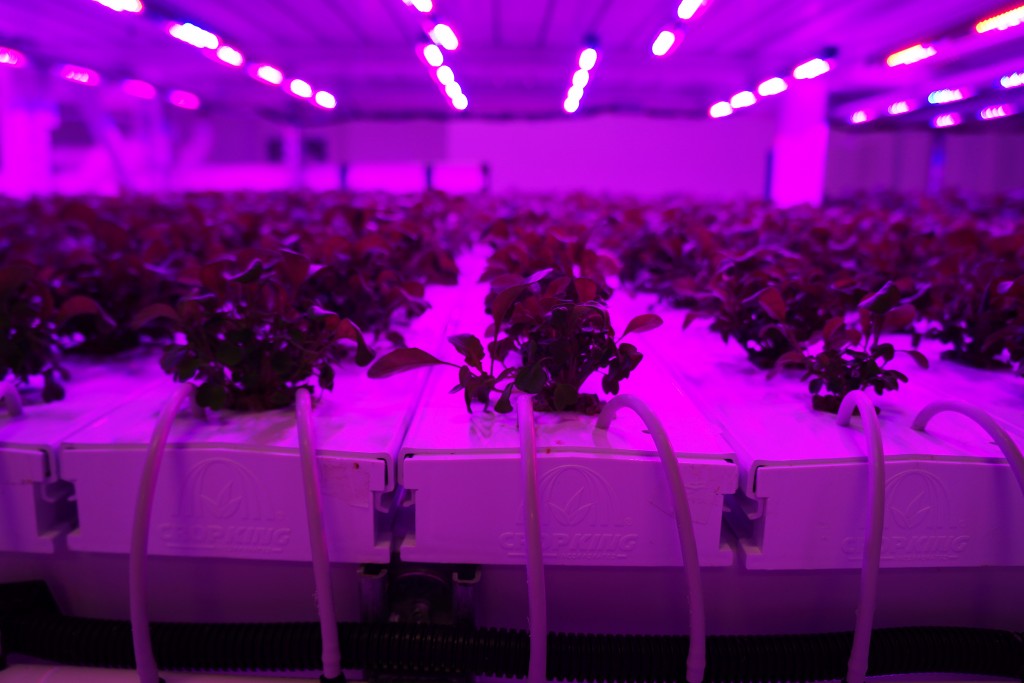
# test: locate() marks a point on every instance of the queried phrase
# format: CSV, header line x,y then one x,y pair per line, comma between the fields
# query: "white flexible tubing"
x,y
331,649
535,587
11,398
858,665
696,658
1006,444
145,662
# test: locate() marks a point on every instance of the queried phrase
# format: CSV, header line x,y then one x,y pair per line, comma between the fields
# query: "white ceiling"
x,y
516,56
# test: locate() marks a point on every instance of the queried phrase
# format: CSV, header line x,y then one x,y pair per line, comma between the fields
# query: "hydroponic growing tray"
x,y
951,498
604,497
231,486
34,502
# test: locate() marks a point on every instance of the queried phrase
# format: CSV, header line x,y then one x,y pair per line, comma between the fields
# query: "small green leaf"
x,y
773,304
565,396
919,358
470,347
249,275
401,360
155,312
326,377
211,394
898,318
531,380
504,404
643,323
228,355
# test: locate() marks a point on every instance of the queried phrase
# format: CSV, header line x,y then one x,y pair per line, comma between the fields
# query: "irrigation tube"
x,y
330,648
1006,444
858,664
145,662
535,587
696,658
11,398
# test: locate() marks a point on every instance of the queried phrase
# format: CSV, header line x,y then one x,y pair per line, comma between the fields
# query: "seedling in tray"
x,y
548,336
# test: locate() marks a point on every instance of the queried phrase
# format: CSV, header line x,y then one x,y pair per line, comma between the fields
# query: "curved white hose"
x,y
535,586
1006,444
696,659
858,665
11,398
145,662
331,649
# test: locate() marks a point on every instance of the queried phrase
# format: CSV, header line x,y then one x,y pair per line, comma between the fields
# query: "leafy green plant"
x,y
31,325
547,338
245,337
853,359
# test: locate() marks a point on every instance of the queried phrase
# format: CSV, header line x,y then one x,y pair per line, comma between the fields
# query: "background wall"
x,y
145,150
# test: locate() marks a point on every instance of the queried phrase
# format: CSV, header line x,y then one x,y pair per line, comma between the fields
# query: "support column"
x,y
800,152
291,149
26,121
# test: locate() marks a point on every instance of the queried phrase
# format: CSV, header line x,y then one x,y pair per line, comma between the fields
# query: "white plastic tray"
x,y
34,505
604,498
230,485
951,499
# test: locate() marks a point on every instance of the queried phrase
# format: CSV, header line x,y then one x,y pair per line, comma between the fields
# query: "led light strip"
x,y
1001,22
947,96
773,86
669,37
81,75
580,78
214,47
442,37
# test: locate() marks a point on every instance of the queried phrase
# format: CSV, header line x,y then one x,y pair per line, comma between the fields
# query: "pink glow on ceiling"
x,y
588,59
688,8
140,89
946,120
79,74
300,88
812,69
773,86
1001,22
859,117
743,99
432,55
11,57
996,112
183,99
570,105
230,56
325,100
720,110
1014,80
267,74
948,95
663,43
194,36
134,6
443,35
425,6
898,108
911,55
460,102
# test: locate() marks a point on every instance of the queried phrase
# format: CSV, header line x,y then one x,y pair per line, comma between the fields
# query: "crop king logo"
x,y
919,522
579,516
224,506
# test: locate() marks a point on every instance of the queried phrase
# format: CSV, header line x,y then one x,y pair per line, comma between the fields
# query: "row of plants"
x,y
251,296
254,295
816,289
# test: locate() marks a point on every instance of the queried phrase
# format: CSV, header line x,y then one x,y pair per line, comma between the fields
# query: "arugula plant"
x,y
853,359
31,325
246,337
548,336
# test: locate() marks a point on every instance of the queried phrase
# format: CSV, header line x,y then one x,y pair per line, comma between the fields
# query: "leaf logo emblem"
x,y
224,504
913,513
573,511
